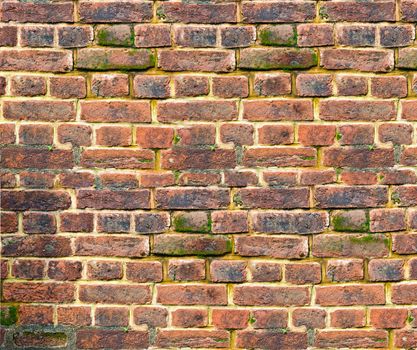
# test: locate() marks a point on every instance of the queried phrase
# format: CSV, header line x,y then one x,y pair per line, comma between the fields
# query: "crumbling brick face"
x,y
208,174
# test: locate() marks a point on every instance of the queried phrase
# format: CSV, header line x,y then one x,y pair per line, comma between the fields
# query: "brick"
x,y
345,270
277,35
356,35
39,110
111,316
35,200
189,318
359,59
350,245
229,87
240,178
37,12
28,292
192,85
115,294
289,222
64,270
267,339
197,244
387,220
396,35
68,87
408,110
314,85
219,61
405,195
272,84
8,222
408,10
348,318
386,270
303,273
309,318
8,35
278,12
191,198
8,133
269,198
99,338
403,293
32,134
228,271
116,111
405,338
113,11
152,35
272,246
121,159
36,60
119,181
75,36
404,244
406,58
270,157
191,294
39,223
151,316
277,58
195,338
31,179
351,11
151,222
197,13
26,85
146,271
28,269
269,318
195,36
350,221
104,270
399,134
112,246
40,339
230,318
111,223
76,180
229,221
196,135
271,295
276,134
74,315
276,110
197,111
187,270
388,317
350,85
147,86
315,34
341,110
371,294
389,87
358,158
113,136
264,271
37,36
110,85
41,246
239,134
199,179
316,135
280,178
114,35
197,221
355,338
242,36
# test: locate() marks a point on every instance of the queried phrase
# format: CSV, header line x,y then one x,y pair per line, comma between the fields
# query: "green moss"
x,y
341,223
8,316
410,318
105,37
269,38
396,198
323,13
369,238
160,13
307,158
176,139
181,224
338,136
237,199
251,319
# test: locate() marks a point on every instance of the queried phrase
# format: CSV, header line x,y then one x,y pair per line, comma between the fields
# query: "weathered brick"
x,y
371,294
278,12
276,110
352,11
37,12
36,60
99,338
112,246
271,295
352,338
191,294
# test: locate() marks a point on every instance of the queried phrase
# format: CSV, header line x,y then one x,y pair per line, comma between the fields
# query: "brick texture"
x,y
208,174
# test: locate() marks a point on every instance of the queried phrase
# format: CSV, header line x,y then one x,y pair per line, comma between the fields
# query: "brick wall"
x,y
211,174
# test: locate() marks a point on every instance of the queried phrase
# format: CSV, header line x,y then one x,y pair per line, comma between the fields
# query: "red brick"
x,y
268,84
351,85
104,270
276,134
36,60
110,85
351,11
113,136
35,36
277,35
76,134
152,316
195,36
238,134
33,134
269,318
152,35
28,292
68,87
386,270
28,269
348,318
197,13
352,338
278,12
114,11
229,221
265,271
282,157
230,318
267,339
145,271
117,158
360,294
316,135
396,133
388,317
114,35
35,200
404,293
64,270
341,110
317,177
396,35
115,294
75,36
191,294
389,87
39,223
189,318
101,338
274,247
49,111
42,246
359,59
154,136
39,315
196,338
404,243
74,315
26,85
314,85
276,110
405,338
241,36
309,318
345,270
409,156
8,35
356,35
8,222
199,179
187,270
271,295
76,180
303,273
191,85
228,271
218,61
112,246
37,12
240,178
112,316
315,34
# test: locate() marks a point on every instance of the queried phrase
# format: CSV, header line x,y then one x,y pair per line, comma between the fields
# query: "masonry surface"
x,y
208,174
